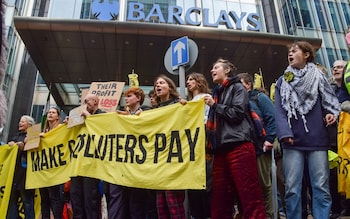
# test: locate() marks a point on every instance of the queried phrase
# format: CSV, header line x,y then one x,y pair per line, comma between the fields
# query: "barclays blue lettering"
x,y
175,14
136,13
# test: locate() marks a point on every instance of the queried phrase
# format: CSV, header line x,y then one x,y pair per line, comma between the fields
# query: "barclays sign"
x,y
176,15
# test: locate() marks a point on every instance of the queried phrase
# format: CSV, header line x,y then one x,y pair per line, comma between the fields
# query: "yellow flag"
x,y
344,153
257,81
133,79
272,92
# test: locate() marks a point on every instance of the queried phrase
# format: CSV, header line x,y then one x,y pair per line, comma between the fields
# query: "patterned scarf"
x,y
301,92
211,122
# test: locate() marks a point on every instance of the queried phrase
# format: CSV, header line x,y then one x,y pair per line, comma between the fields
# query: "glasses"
x,y
338,66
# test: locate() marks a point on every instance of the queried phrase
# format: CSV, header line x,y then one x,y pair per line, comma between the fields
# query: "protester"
x,y
199,200
343,93
152,97
52,197
229,133
337,74
170,203
306,191
84,191
337,199
127,202
305,104
264,107
18,186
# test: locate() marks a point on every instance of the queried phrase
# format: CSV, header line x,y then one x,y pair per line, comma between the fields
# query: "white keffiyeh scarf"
x,y
301,93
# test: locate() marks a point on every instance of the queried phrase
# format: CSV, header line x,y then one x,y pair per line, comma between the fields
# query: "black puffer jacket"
x,y
232,111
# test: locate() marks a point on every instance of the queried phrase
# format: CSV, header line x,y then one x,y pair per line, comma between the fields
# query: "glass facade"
x,y
327,20
20,73
229,13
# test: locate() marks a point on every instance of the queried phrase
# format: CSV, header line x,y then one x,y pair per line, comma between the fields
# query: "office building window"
x,y
287,19
305,13
19,6
346,11
37,112
41,8
335,16
344,54
296,13
331,55
40,80
85,9
321,15
12,42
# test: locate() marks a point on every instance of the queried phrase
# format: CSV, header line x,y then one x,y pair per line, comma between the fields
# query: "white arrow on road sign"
x,y
178,49
179,52
184,60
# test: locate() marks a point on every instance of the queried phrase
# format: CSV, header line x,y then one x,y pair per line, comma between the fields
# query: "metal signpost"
x,y
179,58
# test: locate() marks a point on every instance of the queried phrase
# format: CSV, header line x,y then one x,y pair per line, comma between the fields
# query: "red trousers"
x,y
235,173
170,204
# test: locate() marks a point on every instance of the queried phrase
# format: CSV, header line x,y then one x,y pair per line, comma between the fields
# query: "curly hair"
x,y
138,93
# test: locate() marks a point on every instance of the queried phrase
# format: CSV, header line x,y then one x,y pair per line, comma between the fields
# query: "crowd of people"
x,y
238,167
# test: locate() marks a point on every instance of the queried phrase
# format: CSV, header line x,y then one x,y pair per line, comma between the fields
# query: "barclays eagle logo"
x,y
105,9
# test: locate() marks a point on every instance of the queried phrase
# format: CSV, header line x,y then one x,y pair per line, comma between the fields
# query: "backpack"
x,y
259,132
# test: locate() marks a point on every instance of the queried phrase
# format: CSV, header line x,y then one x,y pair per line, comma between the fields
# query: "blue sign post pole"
x,y
179,58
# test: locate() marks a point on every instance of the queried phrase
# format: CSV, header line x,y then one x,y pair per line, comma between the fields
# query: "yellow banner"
x,y
8,156
344,154
162,148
